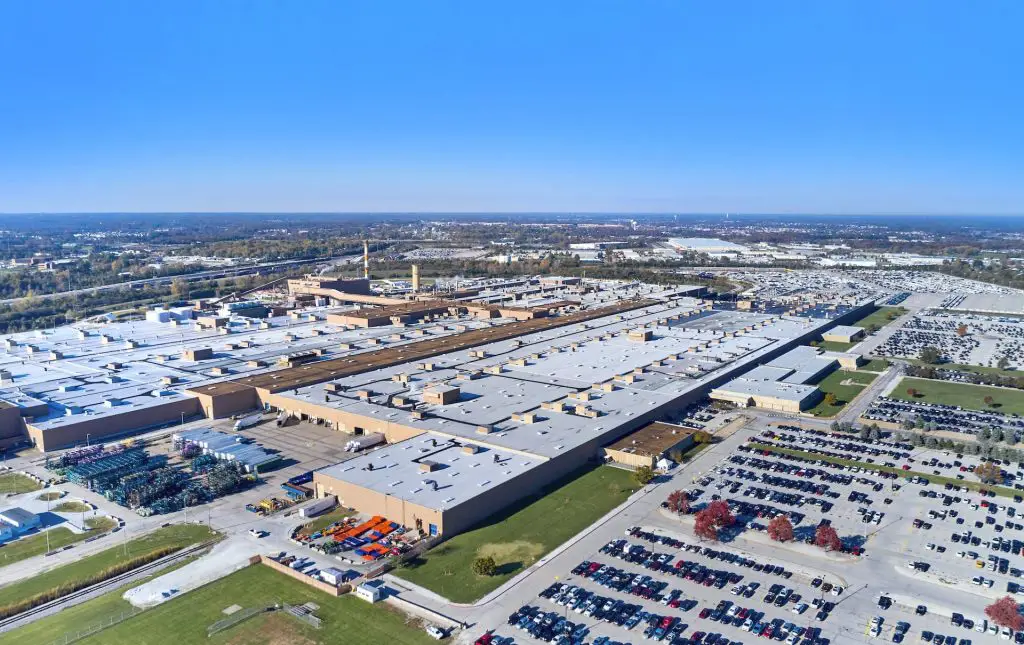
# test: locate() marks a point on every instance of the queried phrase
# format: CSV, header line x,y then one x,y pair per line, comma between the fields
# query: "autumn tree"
x,y
830,398
679,502
179,289
1006,613
961,330
701,436
989,401
827,538
988,473
713,517
912,392
780,529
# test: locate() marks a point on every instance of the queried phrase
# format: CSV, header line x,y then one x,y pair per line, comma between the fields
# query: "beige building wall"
x,y
217,406
631,459
99,428
371,502
342,420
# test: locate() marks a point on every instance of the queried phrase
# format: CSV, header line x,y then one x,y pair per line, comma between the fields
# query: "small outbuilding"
x,y
20,520
372,591
648,445
843,334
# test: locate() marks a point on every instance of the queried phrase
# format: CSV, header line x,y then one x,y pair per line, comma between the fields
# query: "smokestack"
x,y
366,259
415,278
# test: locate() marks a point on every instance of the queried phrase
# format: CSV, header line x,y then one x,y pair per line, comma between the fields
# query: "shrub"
x,y
485,566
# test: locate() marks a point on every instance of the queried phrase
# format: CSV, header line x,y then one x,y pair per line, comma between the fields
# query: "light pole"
x,y
46,529
87,435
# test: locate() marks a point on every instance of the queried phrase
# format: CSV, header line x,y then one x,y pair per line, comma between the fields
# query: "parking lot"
x,y
912,578
949,418
963,338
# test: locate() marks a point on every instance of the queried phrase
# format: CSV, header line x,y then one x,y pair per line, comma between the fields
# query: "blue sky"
x,y
629,106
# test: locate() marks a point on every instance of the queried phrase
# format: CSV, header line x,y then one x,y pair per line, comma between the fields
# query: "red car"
x,y
485,639
704,613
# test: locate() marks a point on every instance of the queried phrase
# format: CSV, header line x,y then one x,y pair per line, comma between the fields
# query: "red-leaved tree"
x,y
679,502
827,538
780,529
715,516
1006,612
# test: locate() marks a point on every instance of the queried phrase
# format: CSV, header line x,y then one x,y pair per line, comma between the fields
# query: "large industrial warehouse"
x,y
480,404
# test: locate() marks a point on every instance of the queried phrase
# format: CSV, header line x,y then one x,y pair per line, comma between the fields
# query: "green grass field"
x,y
971,397
844,393
835,346
183,621
36,544
518,537
875,365
178,535
934,479
879,317
15,483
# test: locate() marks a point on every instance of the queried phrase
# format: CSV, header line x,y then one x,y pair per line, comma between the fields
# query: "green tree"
x,y
643,475
931,355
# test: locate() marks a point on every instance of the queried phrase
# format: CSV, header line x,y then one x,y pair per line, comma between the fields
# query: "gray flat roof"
x,y
459,476
845,330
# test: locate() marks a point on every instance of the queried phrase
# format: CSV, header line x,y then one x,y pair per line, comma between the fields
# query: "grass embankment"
x,y
835,383
16,483
72,576
183,621
50,496
935,479
521,535
34,545
325,520
966,395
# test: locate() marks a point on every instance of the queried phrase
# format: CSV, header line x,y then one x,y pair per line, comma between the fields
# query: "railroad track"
x,y
12,622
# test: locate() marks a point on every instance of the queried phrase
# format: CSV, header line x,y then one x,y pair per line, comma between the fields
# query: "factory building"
x,y
784,384
843,334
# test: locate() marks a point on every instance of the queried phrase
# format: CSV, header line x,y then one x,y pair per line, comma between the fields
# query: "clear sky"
x,y
628,106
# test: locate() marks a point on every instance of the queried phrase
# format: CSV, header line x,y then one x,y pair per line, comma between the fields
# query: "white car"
x,y
1005,634
436,632
256,533
876,630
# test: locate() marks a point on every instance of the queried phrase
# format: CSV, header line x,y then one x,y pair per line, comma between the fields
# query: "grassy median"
x,y
16,483
33,545
521,535
69,575
934,479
